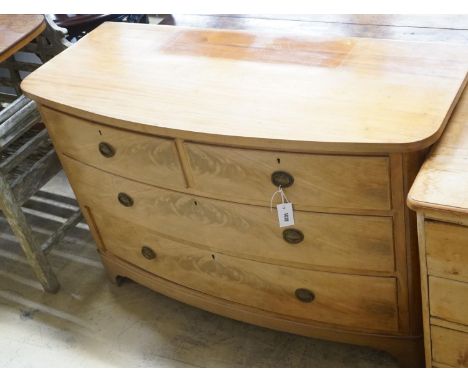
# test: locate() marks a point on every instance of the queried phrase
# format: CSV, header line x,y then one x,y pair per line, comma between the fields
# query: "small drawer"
x,y
447,249
359,302
310,181
449,347
448,299
348,242
145,158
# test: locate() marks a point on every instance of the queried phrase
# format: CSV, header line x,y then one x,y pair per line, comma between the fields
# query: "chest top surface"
x,y
349,94
442,183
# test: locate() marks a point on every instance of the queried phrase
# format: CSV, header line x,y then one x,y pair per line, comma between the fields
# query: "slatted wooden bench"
x,y
27,158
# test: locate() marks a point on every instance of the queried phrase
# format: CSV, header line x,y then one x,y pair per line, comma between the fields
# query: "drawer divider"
x,y
184,163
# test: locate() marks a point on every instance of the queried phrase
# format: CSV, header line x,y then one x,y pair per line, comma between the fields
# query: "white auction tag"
x,y
285,214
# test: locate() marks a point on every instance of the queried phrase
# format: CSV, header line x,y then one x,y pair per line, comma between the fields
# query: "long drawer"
x,y
359,302
449,347
447,249
448,299
311,181
146,158
356,243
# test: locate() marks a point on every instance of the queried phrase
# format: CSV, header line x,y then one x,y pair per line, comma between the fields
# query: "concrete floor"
x,y
93,323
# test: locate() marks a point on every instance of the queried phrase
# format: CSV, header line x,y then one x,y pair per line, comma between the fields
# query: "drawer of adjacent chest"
x,y
310,181
447,250
353,243
448,299
449,347
363,302
136,156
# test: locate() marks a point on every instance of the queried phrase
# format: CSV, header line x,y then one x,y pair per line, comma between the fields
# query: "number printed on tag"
x,y
285,214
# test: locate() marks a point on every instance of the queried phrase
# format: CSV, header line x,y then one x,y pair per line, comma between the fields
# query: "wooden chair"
x,y
27,157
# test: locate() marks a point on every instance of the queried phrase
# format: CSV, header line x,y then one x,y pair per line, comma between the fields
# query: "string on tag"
x,y
282,194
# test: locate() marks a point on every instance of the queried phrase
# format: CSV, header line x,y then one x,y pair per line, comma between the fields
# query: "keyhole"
x,y
100,132
195,202
278,160
213,257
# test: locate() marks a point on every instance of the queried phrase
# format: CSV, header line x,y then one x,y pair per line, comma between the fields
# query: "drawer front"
x,y
447,249
363,302
136,156
448,299
319,181
338,241
449,347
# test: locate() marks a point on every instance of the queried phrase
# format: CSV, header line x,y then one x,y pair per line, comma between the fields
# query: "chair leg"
x,y
23,232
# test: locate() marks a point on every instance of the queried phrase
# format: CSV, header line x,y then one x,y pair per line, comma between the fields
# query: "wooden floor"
x,y
91,322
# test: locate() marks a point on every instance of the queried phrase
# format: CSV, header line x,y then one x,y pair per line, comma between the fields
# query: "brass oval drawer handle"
x,y
125,199
293,236
148,253
304,295
106,149
282,178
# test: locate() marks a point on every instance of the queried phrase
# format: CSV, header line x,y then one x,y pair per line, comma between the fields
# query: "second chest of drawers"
x,y
444,257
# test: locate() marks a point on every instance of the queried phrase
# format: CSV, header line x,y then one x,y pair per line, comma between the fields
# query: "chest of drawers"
x,y
439,195
174,157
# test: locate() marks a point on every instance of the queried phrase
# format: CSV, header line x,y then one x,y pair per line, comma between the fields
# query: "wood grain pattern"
x,y
359,302
448,217
147,158
411,164
338,94
439,195
447,299
448,324
330,181
347,242
426,315
450,347
260,95
407,349
18,30
422,28
442,183
403,168
447,250
320,181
